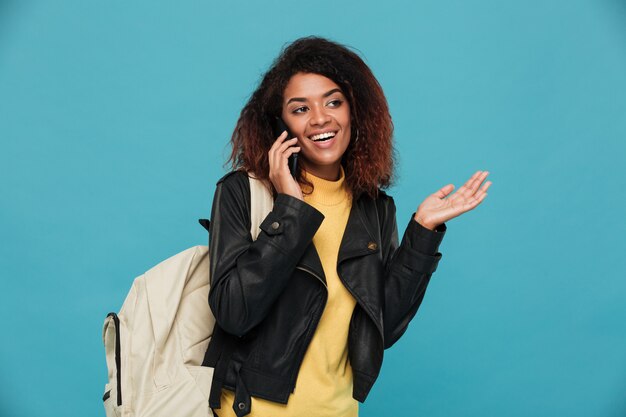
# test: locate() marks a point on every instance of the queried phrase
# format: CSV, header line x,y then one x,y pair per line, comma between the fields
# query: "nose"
x,y
319,116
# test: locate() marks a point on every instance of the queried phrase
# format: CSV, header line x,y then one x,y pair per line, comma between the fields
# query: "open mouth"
x,y
322,137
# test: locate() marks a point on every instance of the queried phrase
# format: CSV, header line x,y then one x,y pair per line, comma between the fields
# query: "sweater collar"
x,y
326,192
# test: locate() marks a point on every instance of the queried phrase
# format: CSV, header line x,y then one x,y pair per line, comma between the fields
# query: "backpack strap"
x,y
261,203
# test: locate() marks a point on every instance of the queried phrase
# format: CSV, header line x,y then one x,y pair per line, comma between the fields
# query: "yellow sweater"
x,y
324,384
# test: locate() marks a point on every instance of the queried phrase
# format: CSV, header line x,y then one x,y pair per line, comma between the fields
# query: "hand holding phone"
x,y
279,127
285,145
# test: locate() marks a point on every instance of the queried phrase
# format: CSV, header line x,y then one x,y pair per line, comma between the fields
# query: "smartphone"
x,y
279,127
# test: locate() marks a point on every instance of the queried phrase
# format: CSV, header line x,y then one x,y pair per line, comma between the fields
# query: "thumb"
x,y
444,191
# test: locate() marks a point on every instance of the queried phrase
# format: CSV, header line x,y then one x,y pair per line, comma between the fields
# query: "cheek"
x,y
299,129
294,124
346,143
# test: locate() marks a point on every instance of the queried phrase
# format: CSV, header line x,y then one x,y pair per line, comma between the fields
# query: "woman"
x,y
305,311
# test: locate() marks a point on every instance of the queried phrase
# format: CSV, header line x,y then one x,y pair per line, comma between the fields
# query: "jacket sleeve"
x,y
408,268
247,276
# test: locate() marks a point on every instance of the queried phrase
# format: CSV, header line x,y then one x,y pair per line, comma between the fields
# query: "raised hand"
x,y
436,209
279,168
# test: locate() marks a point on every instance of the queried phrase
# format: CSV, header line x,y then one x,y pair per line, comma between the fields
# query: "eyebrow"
x,y
326,94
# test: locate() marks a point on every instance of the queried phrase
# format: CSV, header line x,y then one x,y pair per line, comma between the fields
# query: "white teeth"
x,y
322,136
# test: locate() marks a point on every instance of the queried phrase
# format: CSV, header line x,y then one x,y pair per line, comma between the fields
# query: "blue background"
x,y
114,121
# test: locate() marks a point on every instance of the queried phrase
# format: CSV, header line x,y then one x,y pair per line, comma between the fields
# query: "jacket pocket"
x,y
203,375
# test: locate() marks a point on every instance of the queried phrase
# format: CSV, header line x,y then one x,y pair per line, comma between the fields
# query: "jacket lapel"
x,y
357,241
361,272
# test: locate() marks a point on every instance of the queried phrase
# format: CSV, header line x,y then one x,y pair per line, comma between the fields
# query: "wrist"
x,y
423,222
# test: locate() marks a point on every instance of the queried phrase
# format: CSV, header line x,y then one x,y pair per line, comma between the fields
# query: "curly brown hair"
x,y
368,163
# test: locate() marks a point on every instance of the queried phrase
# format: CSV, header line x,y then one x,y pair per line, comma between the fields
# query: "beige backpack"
x,y
156,343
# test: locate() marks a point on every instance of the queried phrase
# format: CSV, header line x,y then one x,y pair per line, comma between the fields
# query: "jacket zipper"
x,y
317,318
314,274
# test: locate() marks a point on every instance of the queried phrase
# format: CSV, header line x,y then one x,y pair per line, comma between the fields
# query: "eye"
x,y
297,110
336,101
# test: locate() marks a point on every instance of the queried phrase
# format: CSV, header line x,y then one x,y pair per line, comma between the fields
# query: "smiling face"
x,y
317,112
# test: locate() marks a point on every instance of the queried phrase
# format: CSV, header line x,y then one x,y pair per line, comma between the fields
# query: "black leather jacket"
x,y
268,295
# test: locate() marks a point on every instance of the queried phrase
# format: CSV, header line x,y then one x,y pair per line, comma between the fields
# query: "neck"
x,y
327,172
